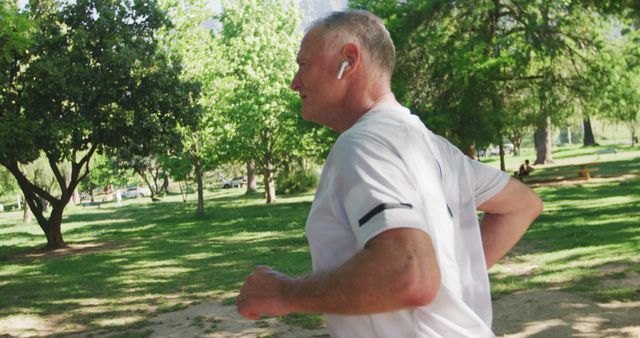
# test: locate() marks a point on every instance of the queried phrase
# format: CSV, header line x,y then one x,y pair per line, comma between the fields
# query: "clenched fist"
x,y
264,292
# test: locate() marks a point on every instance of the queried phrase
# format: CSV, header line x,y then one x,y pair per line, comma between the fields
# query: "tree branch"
x,y
57,174
85,161
30,192
26,185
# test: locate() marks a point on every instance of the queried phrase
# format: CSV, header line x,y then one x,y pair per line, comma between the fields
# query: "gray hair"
x,y
364,28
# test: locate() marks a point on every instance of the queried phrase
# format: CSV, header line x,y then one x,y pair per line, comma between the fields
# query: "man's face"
x,y
316,80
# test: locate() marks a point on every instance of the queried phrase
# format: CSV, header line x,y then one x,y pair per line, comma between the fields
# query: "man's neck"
x,y
355,109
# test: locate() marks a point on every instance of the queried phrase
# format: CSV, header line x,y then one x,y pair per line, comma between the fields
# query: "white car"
x,y
135,191
236,182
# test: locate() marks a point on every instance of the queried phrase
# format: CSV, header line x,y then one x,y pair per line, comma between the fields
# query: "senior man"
x,y
396,245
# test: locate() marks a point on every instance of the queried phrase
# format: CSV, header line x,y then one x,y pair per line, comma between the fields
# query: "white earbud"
x,y
342,67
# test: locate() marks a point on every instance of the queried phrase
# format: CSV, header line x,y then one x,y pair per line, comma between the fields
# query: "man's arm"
x,y
396,269
507,216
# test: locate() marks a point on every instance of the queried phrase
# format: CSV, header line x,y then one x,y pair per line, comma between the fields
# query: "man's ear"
x,y
351,54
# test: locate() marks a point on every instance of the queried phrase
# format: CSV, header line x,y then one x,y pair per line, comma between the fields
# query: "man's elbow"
x,y
421,289
536,206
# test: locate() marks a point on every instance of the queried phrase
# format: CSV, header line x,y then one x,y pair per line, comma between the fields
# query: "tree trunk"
x,y
634,137
569,135
197,168
542,138
269,183
516,140
165,184
588,140
251,177
45,205
53,230
471,151
503,167
33,193
75,197
26,212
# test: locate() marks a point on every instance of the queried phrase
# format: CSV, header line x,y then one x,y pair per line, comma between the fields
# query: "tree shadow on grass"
x,y
164,254
553,313
584,228
608,169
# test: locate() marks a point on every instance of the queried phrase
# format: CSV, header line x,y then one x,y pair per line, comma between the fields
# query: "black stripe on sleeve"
x,y
381,208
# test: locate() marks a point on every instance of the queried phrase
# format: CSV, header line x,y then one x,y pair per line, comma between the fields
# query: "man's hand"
x,y
264,292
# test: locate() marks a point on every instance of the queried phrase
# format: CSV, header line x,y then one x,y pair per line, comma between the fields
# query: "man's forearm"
x,y
372,283
507,217
500,233
397,269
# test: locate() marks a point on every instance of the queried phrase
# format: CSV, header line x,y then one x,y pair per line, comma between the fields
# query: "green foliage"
x,y
93,80
8,183
99,83
617,76
16,38
477,71
15,33
261,40
200,52
298,181
178,168
105,171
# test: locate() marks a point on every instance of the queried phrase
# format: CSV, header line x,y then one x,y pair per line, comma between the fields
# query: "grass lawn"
x,y
134,261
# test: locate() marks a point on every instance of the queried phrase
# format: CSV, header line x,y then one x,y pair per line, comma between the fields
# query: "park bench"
x,y
606,151
10,207
90,204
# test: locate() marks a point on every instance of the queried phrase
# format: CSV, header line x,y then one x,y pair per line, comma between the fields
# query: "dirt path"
x,y
556,314
549,314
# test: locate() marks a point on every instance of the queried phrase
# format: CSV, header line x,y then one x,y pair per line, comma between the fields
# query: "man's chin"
x,y
306,115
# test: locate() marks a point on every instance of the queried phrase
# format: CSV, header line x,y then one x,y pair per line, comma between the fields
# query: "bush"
x,y
298,181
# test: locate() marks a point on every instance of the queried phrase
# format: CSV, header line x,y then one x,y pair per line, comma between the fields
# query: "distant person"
x,y
118,197
525,169
396,245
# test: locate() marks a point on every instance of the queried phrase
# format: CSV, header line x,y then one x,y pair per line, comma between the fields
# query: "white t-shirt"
x,y
389,171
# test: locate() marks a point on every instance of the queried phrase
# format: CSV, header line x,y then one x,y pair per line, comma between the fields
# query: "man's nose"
x,y
295,82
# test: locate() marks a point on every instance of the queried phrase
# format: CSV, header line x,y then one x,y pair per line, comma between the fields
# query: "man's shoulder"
x,y
387,125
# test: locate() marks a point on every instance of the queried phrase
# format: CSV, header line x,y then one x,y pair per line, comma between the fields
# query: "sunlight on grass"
x,y
593,203
201,255
146,258
117,322
138,265
24,269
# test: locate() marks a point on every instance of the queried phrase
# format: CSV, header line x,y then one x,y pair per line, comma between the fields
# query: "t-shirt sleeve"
x,y
377,193
488,181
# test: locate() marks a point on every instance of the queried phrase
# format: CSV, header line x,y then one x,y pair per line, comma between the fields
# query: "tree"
x,y
104,172
92,81
260,41
460,63
181,170
150,170
201,53
618,80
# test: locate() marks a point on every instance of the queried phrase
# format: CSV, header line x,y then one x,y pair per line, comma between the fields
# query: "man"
x,y
394,237
524,170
